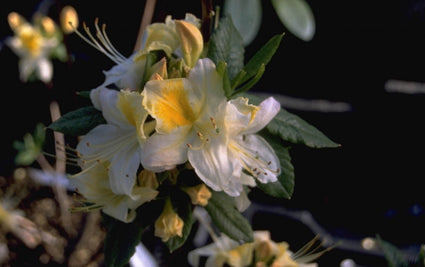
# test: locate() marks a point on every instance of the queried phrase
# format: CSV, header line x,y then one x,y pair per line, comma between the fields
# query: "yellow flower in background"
x,y
95,187
35,44
168,224
224,251
263,252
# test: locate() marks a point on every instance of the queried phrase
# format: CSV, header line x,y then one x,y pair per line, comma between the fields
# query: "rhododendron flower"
x,y
119,141
95,187
195,122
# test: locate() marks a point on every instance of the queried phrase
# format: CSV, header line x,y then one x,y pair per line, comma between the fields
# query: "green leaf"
x,y
392,254
251,82
30,147
227,218
182,204
78,122
122,238
284,187
262,57
226,45
292,128
246,15
297,17
222,70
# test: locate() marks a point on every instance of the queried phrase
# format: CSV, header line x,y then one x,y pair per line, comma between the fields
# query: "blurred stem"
x,y
60,167
207,15
146,20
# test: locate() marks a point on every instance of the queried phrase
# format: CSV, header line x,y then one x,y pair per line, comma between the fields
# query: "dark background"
x,y
370,185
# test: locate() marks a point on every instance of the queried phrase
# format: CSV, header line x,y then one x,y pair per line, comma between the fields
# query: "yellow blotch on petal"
x,y
170,105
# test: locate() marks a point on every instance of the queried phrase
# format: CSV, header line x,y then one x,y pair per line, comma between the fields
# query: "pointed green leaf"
x,y
78,122
246,15
182,204
392,254
284,187
227,218
262,57
226,45
297,17
292,128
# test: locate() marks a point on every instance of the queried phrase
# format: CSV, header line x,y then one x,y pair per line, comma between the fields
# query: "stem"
x,y
207,14
146,20
60,167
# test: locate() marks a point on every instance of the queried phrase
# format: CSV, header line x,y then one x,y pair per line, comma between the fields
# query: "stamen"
x,y
105,46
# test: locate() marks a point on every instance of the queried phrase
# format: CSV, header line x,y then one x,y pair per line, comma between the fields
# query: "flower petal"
x,y
268,109
164,152
259,156
214,167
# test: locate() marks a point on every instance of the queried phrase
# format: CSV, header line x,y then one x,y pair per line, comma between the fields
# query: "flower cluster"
x,y
180,118
173,127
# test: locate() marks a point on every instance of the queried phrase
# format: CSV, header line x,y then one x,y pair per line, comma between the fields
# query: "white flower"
x,y
34,45
119,141
94,185
195,122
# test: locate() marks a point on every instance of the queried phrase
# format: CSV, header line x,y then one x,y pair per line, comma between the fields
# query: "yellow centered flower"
x,y
34,44
120,140
31,39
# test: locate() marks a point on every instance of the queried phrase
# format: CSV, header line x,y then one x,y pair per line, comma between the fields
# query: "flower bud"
x,y
15,20
191,41
147,178
199,195
68,19
168,224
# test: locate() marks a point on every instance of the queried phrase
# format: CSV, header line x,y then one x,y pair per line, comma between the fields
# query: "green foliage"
x,y
226,45
393,255
227,218
297,17
284,186
78,122
30,147
292,128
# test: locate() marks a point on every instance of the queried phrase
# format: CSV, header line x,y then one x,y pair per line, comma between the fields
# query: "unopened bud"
x,y
199,195
191,41
168,224
68,19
